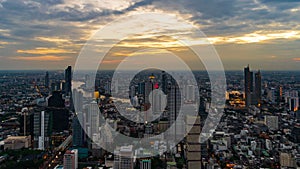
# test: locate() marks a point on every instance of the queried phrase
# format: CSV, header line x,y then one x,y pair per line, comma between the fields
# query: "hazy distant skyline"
x,y
48,34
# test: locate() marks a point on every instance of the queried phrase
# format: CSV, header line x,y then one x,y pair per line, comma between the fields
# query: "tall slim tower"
x,y
68,79
47,80
258,87
93,119
173,104
193,152
248,76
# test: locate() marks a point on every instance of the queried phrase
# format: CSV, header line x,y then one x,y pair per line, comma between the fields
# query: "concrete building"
x,y
193,153
271,122
71,159
17,142
286,160
145,164
124,158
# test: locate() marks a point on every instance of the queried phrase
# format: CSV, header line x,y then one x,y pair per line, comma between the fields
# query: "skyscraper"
x,y
193,144
68,79
47,80
93,118
42,129
252,97
292,99
258,87
173,105
78,132
124,158
248,76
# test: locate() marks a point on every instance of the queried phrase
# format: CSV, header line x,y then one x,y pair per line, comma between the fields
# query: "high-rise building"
x,y
42,130
124,158
193,153
258,88
47,80
173,106
68,80
164,82
93,118
78,100
59,114
190,93
78,132
295,133
248,87
71,159
56,100
145,164
26,122
252,97
292,99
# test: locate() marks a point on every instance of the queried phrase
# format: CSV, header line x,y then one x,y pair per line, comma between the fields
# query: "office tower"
x,y
190,93
47,80
193,153
292,99
248,87
71,159
157,99
93,118
164,82
271,122
56,100
258,88
116,159
26,124
145,164
68,80
126,157
141,88
78,132
42,130
295,134
59,114
132,91
173,105
89,82
149,87
252,97
107,88
271,95
78,100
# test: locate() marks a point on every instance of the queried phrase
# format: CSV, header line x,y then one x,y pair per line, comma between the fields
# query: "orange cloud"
x,y
44,51
256,37
41,58
53,39
296,59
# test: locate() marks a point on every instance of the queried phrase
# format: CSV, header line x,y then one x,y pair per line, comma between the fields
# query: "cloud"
x,y
296,59
257,37
42,51
63,26
41,58
53,39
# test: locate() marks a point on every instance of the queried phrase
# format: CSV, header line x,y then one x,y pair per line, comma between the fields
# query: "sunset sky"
x,y
49,34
